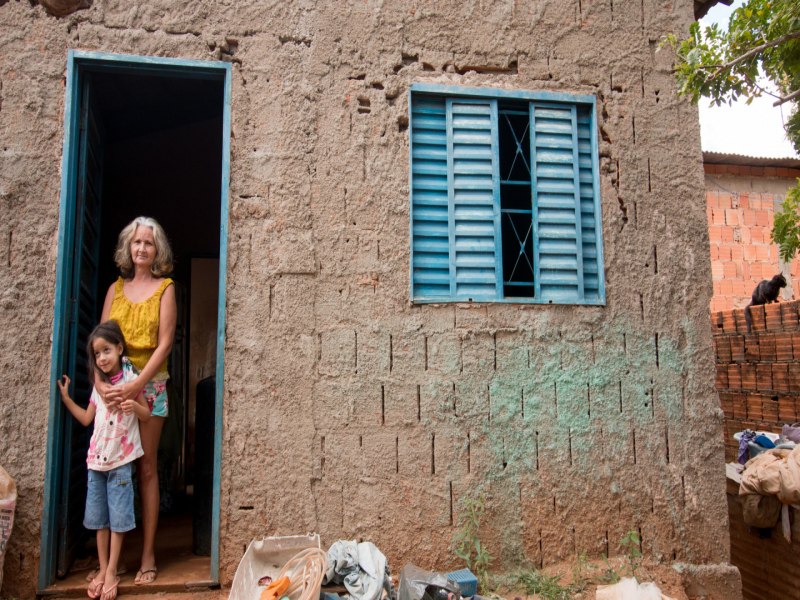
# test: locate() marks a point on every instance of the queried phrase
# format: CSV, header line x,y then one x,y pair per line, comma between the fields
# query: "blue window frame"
x,y
505,197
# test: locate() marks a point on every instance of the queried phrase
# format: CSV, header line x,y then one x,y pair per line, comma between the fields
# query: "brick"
x,y
722,377
749,217
732,216
735,376
726,404
741,324
763,377
728,319
751,350
773,316
722,347
796,343
716,321
757,318
729,270
780,377
766,345
783,347
744,201
755,403
717,271
789,315
739,406
747,374
727,234
769,408
737,348
794,377
786,409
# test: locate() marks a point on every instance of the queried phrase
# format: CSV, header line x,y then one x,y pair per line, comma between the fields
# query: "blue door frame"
x,y
78,64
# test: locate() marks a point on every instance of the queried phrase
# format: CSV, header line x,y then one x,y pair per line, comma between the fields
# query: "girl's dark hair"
x,y
110,332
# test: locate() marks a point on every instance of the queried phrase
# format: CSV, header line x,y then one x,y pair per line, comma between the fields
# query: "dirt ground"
x,y
581,579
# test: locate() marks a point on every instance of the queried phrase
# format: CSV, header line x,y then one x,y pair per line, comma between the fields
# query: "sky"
x,y
754,130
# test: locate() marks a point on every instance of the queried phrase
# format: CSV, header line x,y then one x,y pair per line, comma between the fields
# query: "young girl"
x,y
115,444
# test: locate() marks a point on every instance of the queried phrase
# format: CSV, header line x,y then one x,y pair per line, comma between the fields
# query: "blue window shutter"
x,y
590,207
474,199
555,179
430,229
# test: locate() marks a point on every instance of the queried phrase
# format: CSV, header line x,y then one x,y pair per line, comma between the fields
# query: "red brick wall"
x,y
739,225
758,380
758,374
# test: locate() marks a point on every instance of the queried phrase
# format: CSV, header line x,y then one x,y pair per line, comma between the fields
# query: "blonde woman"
x,y
142,301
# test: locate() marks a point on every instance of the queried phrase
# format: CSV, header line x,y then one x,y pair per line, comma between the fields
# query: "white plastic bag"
x,y
630,589
8,502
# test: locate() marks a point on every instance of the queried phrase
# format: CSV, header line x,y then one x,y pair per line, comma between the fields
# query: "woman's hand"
x,y
110,394
130,389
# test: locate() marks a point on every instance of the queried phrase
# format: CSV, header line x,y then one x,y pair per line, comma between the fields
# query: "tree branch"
x,y
753,51
792,96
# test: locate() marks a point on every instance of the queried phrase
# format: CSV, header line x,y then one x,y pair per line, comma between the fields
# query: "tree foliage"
x,y
759,54
786,228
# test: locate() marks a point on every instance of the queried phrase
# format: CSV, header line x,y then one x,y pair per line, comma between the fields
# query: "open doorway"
x,y
143,136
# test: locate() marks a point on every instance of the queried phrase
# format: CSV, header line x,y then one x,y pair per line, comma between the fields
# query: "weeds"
x,y
466,540
547,587
630,544
531,581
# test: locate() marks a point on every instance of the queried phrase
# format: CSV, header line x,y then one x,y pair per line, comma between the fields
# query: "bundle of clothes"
x,y
770,483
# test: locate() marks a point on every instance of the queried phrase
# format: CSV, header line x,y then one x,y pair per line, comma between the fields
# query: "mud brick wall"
x,y
758,373
347,409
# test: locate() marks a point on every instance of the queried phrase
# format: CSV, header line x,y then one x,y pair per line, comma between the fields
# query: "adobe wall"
x,y
349,411
741,203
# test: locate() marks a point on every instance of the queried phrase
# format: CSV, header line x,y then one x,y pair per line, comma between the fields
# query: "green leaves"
x,y
786,228
760,50
466,541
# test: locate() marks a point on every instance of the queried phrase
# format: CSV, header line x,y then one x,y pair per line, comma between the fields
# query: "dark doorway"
x,y
148,142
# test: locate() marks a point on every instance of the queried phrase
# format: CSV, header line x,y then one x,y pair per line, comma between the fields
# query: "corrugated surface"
x,y
770,566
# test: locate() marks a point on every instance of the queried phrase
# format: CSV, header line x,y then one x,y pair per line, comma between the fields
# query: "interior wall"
x,y
202,337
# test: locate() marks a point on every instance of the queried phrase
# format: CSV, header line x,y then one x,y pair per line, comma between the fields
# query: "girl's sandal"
x,y
95,588
145,576
110,593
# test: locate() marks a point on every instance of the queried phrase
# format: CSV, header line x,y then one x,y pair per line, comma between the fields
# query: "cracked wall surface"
x,y
377,416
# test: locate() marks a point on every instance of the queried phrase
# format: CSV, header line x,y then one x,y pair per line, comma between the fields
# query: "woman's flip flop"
x,y
145,576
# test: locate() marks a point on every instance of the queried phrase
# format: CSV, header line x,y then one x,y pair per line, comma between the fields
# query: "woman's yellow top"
x,y
139,324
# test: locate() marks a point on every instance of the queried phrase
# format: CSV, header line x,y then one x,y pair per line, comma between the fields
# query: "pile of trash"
x,y
295,568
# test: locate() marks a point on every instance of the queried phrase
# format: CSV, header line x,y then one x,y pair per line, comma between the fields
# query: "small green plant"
x,y
546,586
466,540
581,572
631,545
609,574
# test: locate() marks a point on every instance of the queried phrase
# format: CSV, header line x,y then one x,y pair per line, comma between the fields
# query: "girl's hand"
x,y
128,390
63,386
127,406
